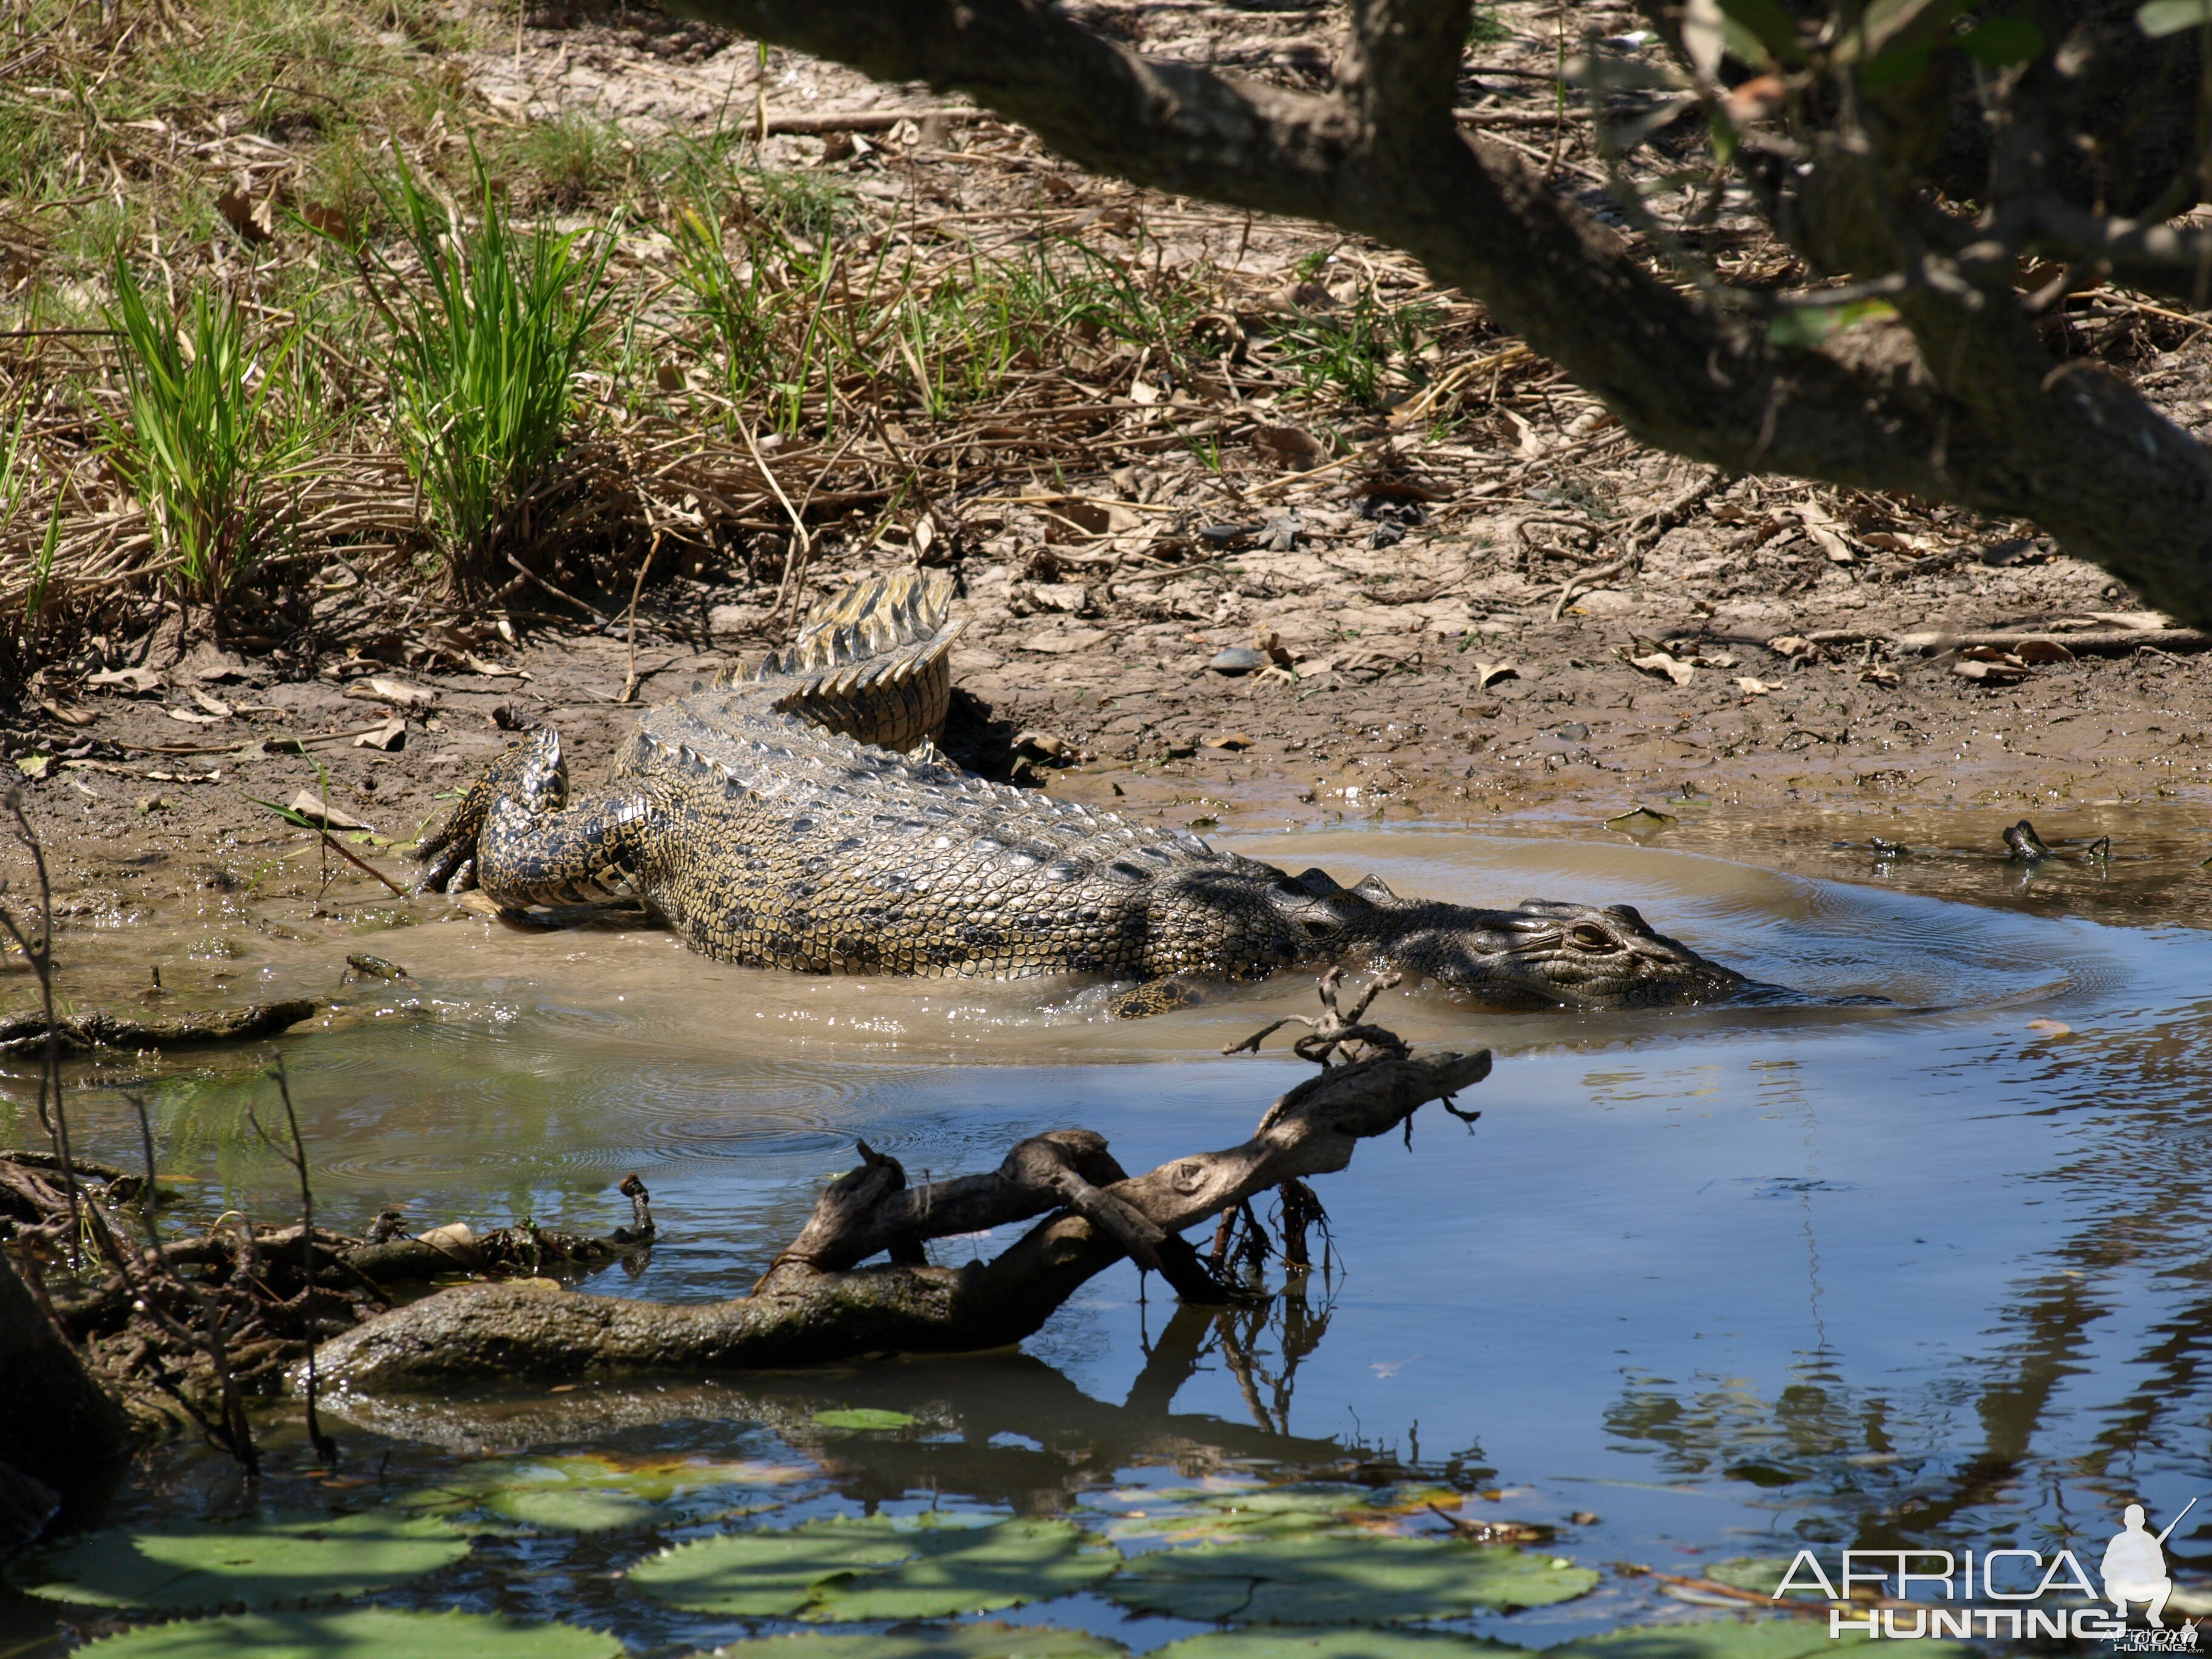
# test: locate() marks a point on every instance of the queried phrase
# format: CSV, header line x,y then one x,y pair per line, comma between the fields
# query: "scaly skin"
x,y
764,838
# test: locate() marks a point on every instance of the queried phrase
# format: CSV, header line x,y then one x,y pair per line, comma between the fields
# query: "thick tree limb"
x,y
807,1311
2067,445
55,1420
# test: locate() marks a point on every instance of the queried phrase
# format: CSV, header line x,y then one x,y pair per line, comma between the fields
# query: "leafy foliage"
x,y
992,1641
1733,1638
1365,1643
864,1417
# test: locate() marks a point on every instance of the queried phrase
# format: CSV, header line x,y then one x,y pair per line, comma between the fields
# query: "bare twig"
x,y
39,953
1335,1030
326,1448
234,1434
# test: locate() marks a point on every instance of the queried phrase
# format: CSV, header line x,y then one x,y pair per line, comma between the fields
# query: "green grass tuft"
x,y
203,446
1352,349
483,359
1485,28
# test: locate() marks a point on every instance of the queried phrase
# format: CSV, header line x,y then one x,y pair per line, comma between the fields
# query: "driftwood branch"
x,y
817,1305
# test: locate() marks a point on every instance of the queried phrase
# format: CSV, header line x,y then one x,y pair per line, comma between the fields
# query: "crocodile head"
x,y
1542,954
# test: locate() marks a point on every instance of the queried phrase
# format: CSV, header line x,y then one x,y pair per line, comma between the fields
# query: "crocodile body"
x,y
778,822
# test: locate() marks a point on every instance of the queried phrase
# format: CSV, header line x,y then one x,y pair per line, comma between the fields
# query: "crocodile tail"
x,y
875,662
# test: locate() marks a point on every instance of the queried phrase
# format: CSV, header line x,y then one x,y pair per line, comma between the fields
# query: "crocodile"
x,y
802,819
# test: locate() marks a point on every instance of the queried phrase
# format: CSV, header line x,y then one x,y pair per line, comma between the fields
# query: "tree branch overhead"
x,y
1857,154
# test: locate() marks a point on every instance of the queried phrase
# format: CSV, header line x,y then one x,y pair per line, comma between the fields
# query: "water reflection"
x,y
1734,1280
2093,1389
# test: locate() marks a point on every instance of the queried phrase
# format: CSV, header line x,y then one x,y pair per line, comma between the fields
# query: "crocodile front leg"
x,y
450,849
516,835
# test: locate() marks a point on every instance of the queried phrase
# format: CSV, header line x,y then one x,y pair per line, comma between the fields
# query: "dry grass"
x,y
774,364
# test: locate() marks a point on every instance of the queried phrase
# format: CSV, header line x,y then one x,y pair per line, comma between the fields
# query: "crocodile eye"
x,y
1317,929
1589,936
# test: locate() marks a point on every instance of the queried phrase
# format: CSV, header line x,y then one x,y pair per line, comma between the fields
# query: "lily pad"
x,y
1360,1644
1759,1573
864,1417
357,1633
1734,1638
1328,1578
598,1493
877,1569
946,1642
1183,1515
258,1563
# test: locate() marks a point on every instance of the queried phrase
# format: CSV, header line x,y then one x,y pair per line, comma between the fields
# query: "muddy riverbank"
x,y
1765,734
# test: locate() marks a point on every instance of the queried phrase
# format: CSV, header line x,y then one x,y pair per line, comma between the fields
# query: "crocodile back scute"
x,y
874,662
791,847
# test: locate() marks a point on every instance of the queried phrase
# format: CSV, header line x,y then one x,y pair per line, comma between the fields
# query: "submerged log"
x,y
817,1305
23,1034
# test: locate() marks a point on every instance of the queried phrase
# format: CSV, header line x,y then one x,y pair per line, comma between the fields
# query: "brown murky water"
x,y
1731,1279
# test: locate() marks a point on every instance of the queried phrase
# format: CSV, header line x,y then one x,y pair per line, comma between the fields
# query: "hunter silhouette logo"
x,y
2134,1568
2005,1594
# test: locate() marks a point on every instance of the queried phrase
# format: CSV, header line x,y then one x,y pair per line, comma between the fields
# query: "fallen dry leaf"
x,y
310,806
1987,667
215,706
398,694
1791,645
1229,740
190,718
1061,641
392,735
1751,688
1486,673
132,682
2037,651
1875,674
1297,452
458,1240
254,222
1661,665
1045,744
68,715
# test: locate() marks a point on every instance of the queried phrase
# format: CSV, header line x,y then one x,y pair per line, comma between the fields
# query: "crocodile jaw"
x,y
1547,954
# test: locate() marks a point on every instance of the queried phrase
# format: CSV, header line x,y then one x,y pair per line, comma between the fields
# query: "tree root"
x,y
817,1305
139,1319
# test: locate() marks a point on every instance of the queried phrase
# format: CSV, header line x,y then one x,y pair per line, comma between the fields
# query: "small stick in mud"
x,y
329,844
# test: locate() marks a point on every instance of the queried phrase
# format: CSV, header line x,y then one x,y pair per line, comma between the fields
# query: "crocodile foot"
x,y
450,850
